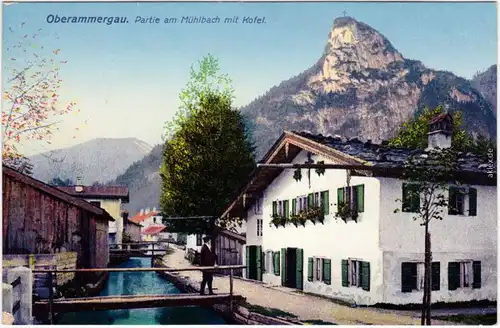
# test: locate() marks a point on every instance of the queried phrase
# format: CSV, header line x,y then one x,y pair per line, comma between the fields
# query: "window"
x,y
96,203
354,196
154,219
302,203
464,274
456,201
281,208
258,206
412,276
356,273
259,227
319,269
198,240
411,197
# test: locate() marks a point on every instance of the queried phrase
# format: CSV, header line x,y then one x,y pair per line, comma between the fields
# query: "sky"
x,y
125,78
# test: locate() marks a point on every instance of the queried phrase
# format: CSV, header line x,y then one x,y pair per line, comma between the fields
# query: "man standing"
x,y
207,258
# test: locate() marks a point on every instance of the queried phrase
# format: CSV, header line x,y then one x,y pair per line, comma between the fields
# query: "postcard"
x,y
252,163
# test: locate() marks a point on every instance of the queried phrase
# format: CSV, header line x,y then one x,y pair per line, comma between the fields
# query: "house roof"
x,y
99,192
141,217
382,160
56,192
441,117
153,229
128,221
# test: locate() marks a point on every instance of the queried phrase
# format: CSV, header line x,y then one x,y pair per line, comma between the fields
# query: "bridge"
x,y
125,250
100,303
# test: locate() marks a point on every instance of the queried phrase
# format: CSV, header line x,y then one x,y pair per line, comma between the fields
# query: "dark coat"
x,y
207,257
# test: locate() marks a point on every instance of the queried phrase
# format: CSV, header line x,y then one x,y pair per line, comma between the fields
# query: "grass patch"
x,y
472,319
333,300
270,312
317,322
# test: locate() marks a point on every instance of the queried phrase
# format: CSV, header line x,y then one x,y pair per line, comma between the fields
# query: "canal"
x,y
134,283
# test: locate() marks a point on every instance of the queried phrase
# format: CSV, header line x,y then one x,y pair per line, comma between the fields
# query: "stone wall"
x,y
59,261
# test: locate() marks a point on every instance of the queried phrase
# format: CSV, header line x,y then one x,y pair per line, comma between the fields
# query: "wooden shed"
x,y
229,250
41,219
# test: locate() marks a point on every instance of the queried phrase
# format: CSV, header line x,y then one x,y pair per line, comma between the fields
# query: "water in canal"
x,y
133,283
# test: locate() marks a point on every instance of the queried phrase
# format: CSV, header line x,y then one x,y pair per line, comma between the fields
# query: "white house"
x,y
377,256
152,218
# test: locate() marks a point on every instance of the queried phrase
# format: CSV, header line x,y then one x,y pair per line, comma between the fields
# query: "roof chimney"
x,y
78,186
440,131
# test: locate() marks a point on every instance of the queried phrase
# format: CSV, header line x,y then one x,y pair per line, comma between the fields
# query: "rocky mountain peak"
x,y
353,50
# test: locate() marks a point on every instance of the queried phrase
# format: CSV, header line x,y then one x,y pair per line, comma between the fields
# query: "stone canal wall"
x,y
241,315
59,261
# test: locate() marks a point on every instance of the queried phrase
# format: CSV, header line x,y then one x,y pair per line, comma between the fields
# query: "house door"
x,y
254,262
292,267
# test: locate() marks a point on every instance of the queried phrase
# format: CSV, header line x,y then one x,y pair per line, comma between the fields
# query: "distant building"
x,y
109,198
152,232
41,219
147,218
131,228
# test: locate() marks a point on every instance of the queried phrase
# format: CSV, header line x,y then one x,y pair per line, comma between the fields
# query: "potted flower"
x,y
278,220
345,212
294,219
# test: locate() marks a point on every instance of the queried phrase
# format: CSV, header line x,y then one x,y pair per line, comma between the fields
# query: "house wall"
x,y
191,243
134,231
334,239
113,207
40,223
251,226
456,237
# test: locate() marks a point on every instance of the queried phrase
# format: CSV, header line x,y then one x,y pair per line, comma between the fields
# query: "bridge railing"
x,y
52,273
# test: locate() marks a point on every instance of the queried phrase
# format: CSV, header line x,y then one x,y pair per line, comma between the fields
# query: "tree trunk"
x,y
429,277
426,302
426,277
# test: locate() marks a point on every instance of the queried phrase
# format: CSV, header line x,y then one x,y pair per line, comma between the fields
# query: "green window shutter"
x,y
327,271
275,208
276,263
415,201
345,273
247,262
283,266
360,190
263,257
453,275
287,209
472,202
325,195
365,276
299,277
405,200
476,272
258,262
294,206
310,269
452,195
406,277
310,200
340,197
436,276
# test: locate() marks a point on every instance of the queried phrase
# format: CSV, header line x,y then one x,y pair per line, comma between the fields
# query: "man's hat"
x,y
206,238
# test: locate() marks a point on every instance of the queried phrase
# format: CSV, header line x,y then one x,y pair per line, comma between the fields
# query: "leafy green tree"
x,y
426,196
207,156
414,132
